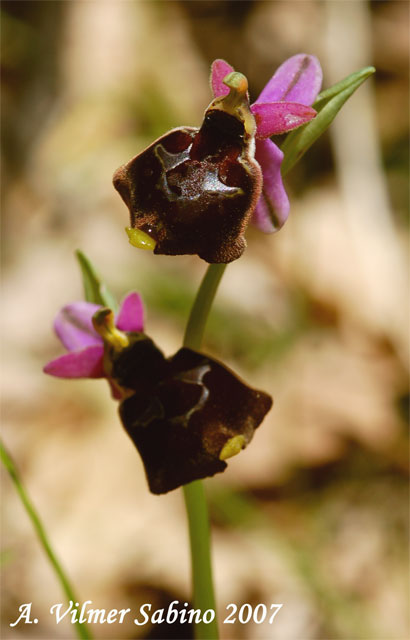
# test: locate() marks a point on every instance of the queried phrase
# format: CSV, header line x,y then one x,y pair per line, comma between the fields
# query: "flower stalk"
x,y
201,565
198,317
194,494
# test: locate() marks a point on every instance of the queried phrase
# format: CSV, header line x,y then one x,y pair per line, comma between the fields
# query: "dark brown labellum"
x,y
193,190
183,411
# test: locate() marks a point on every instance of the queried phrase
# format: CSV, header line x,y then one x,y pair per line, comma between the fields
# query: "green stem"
x,y
198,317
199,536
194,494
81,629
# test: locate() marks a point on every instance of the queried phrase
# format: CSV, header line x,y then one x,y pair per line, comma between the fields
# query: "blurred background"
x,y
314,514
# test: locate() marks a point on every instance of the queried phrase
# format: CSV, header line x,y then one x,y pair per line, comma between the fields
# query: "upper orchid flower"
x,y
195,190
283,105
75,328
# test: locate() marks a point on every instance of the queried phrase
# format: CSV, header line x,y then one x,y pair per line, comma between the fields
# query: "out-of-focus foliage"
x,y
314,514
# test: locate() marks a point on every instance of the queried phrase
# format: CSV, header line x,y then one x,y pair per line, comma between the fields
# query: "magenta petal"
x,y
272,208
219,70
278,117
131,315
87,363
298,79
74,327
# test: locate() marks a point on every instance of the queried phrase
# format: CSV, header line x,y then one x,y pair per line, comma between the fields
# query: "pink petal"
x,y
272,208
87,363
74,327
131,315
278,117
219,70
298,79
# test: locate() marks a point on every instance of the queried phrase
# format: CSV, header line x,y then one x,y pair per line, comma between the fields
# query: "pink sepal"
x,y
87,363
73,325
298,79
272,208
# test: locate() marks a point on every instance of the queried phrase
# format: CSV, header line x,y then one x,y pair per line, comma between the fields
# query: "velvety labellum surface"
x,y
182,411
193,190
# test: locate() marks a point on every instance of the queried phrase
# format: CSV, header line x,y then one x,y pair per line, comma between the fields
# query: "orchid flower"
x,y
283,105
194,191
188,413
185,414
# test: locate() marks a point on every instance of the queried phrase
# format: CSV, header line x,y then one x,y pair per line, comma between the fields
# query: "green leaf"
x,y
347,82
94,290
328,104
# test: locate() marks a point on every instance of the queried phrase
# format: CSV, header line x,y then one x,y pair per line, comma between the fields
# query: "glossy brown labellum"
x,y
194,190
183,411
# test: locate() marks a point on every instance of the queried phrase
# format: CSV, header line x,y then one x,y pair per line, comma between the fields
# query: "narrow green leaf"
x,y
332,91
328,104
8,462
94,290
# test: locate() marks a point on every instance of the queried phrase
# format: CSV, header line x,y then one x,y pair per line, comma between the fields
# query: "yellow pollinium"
x,y
103,323
232,447
140,239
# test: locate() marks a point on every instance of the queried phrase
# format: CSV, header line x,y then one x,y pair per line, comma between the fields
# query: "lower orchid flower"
x,y
185,414
194,191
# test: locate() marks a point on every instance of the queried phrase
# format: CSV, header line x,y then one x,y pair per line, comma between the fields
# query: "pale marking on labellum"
x,y
210,184
193,376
